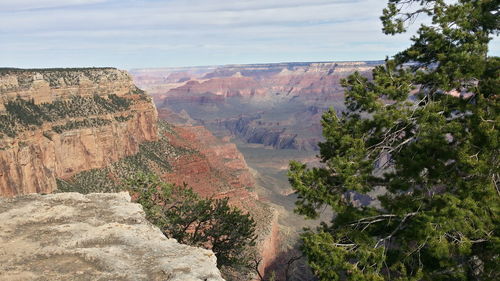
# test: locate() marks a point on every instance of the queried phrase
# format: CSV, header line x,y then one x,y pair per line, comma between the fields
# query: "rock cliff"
x,y
70,236
253,130
55,123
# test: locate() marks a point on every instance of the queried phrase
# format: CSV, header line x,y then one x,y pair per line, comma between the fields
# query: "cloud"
x,y
191,14
137,33
42,4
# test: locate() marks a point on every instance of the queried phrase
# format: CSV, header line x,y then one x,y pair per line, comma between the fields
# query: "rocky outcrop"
x,y
70,236
55,123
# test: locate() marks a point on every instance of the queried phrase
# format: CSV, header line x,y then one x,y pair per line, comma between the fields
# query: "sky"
x,y
165,33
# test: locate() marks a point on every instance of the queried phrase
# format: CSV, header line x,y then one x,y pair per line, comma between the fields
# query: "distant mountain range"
x,y
275,104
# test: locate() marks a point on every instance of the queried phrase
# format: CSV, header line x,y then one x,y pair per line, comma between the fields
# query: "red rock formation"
x,y
31,161
225,87
249,80
277,105
219,170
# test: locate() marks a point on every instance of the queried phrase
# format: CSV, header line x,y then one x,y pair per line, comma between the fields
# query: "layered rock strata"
x,y
70,236
55,123
278,105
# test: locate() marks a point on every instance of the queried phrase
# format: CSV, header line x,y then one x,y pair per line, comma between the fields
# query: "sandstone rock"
x,y
47,85
31,161
70,236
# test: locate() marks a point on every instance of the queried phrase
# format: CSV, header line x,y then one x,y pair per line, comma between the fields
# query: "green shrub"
x,y
123,118
87,123
22,115
91,181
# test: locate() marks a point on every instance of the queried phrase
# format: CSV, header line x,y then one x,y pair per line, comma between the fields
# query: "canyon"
x,y
277,105
271,112
225,131
86,130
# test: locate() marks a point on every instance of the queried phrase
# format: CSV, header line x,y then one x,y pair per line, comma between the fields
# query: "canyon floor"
x,y
269,167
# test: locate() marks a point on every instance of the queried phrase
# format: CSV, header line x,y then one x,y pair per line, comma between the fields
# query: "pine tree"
x,y
182,214
423,134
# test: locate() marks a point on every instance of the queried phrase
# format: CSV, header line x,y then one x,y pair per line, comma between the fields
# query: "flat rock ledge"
x,y
70,236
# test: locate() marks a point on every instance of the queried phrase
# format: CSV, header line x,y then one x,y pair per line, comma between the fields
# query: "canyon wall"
x,y
55,123
70,236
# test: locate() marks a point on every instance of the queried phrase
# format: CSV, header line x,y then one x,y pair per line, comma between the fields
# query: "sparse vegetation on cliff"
x,y
123,118
91,181
86,123
137,91
431,152
22,114
152,157
58,77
